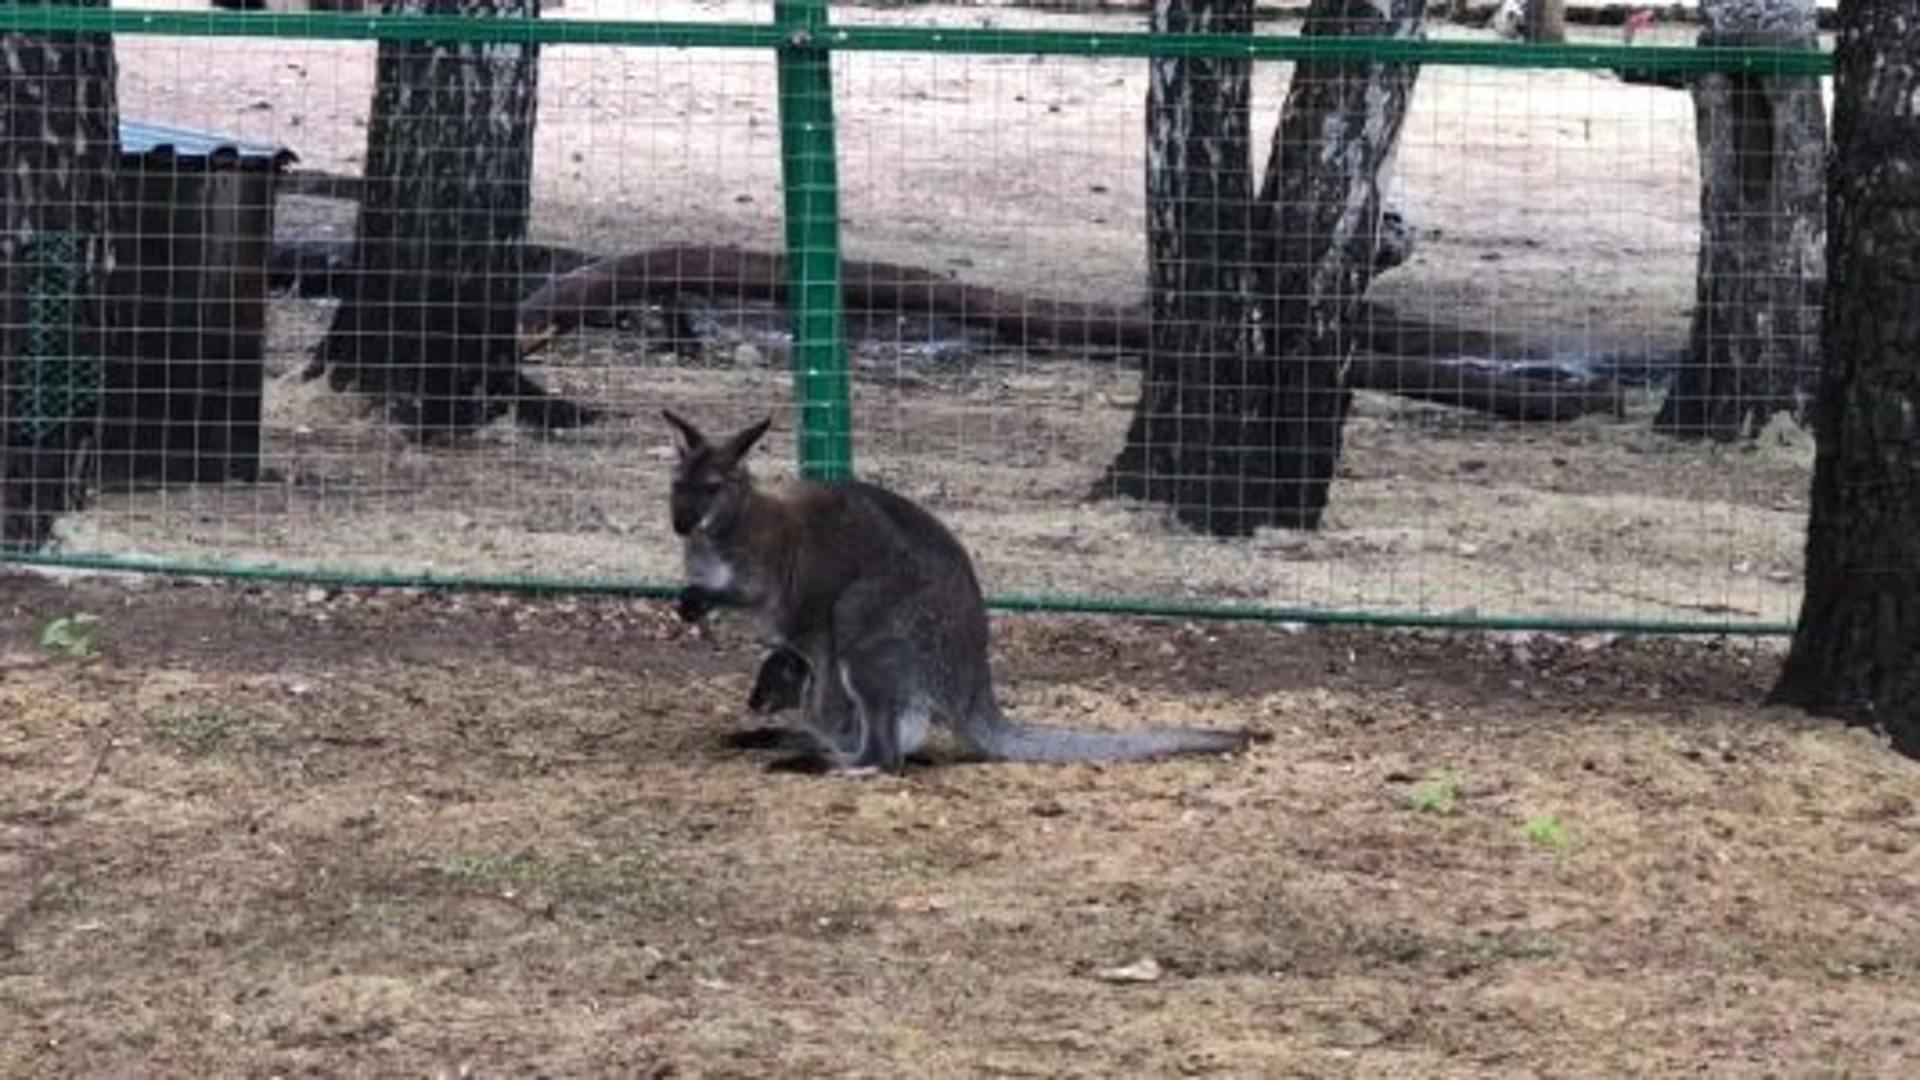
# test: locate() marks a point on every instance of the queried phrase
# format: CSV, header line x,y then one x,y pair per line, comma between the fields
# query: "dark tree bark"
x,y
1239,422
428,325
59,138
1546,21
1339,129
1763,139
1856,651
1199,185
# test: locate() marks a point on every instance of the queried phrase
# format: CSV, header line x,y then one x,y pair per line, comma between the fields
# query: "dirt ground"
x,y
1558,206
303,832
281,833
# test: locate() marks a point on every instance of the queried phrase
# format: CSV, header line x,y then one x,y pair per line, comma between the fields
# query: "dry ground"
x,y
267,833
1560,206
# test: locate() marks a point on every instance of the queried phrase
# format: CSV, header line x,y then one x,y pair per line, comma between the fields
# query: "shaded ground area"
x,y
258,832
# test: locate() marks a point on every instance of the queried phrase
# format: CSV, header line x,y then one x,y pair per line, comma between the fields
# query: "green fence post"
x,y
810,177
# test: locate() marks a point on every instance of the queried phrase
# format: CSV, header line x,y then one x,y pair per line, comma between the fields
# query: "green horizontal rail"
x,y
1062,604
962,40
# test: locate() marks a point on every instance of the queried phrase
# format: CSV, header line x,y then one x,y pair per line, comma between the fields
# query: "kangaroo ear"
x,y
686,437
738,446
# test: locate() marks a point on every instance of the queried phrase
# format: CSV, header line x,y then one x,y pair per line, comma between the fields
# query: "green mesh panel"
x,y
56,384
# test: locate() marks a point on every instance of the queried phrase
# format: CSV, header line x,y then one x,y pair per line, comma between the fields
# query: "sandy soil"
x,y
1559,206
270,833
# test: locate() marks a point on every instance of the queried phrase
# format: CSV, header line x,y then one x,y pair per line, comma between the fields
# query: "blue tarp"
x,y
142,137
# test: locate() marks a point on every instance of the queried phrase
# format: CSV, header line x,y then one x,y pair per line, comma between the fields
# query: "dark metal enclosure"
x,y
193,228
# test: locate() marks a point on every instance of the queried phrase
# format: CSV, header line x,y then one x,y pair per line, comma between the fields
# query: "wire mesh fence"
x,y
1500,460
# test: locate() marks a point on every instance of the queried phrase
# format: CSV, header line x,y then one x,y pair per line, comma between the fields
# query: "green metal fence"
x,y
806,46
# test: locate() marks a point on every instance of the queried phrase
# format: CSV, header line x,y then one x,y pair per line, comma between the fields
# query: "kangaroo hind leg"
x,y
893,715
829,726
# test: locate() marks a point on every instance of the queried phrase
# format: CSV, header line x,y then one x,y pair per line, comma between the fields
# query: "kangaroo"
x,y
881,603
779,686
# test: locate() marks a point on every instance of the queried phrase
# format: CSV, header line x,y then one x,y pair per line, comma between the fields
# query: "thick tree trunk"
x,y
1239,423
1546,21
428,325
59,137
1199,240
1856,652
1763,143
1339,129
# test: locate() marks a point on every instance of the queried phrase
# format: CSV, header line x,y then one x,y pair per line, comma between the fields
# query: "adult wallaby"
x,y
880,601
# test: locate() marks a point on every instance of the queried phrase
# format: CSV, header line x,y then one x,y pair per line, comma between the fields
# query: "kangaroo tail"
x,y
998,737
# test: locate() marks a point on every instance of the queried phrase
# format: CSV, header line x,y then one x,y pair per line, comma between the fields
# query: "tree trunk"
x,y
1856,651
1338,131
1763,143
59,136
1243,399
1199,239
1546,21
428,325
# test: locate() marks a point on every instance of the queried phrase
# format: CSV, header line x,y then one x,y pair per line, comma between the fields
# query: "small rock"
x,y
1144,970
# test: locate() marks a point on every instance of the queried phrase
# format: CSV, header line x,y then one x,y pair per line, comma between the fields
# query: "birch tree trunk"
x,y
1322,197
428,324
1856,652
1752,348
59,140
1199,183
1239,420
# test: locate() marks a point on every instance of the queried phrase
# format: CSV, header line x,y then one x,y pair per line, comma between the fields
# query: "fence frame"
x,y
804,42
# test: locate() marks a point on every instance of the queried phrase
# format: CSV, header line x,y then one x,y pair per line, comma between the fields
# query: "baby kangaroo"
x,y
880,602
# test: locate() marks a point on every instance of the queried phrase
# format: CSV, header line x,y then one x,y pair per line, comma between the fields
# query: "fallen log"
x,y
320,184
317,266
1385,363
1504,396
